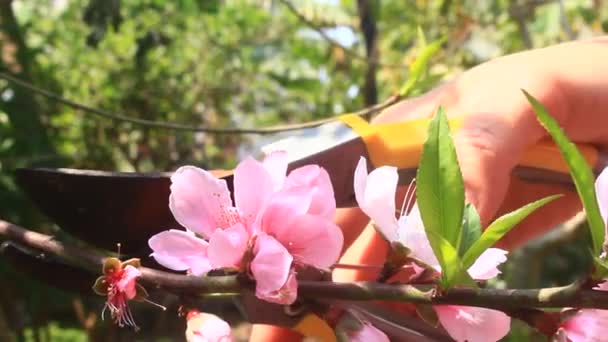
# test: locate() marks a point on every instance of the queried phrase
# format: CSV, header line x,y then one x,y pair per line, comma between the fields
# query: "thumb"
x,y
489,146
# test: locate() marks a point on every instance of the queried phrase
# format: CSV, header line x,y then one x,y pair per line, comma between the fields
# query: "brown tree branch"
x,y
506,300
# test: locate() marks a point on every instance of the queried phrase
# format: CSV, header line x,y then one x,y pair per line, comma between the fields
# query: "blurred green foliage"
x,y
223,63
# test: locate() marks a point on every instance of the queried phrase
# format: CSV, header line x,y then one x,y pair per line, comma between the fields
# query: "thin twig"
x,y
563,18
500,299
183,127
350,52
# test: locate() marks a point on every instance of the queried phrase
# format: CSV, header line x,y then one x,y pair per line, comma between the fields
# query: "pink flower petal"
x,y
412,235
199,201
227,246
603,286
180,251
601,190
285,295
275,164
253,188
205,327
485,267
270,266
368,333
126,283
375,194
316,178
312,240
587,325
285,206
472,324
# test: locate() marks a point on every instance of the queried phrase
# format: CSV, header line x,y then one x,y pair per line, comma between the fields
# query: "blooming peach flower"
x,y
205,327
375,194
283,220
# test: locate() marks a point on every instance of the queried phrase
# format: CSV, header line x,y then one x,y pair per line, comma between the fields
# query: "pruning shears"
x,y
105,208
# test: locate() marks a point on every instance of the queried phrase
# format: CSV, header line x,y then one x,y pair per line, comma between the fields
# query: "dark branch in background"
x,y
521,12
25,114
563,18
370,34
183,127
508,300
350,52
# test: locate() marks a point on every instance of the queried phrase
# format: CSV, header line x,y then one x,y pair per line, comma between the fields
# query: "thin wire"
x,y
183,127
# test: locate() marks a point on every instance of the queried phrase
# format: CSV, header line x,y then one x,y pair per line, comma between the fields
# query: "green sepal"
x,y
140,293
101,286
600,268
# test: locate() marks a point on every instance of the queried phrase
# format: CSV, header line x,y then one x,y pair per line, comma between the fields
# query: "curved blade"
x,y
102,208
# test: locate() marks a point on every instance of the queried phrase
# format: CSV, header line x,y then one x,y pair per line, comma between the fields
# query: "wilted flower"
x,y
119,285
375,195
277,220
205,327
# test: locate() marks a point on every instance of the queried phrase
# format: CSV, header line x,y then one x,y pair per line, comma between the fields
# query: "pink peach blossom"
x,y
375,194
285,220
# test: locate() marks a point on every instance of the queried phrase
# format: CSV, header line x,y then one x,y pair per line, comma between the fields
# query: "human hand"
x,y
499,124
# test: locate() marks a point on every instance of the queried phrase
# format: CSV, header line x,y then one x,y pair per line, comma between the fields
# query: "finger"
x,y
418,107
270,333
220,173
352,221
369,248
489,146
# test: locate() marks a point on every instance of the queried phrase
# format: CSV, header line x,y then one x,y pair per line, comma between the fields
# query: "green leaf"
x,y
601,268
452,272
440,197
500,227
439,184
471,229
418,68
580,171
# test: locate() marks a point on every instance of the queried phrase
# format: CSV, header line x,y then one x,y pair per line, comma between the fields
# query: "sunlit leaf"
x,y
420,65
500,227
580,171
440,188
440,195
